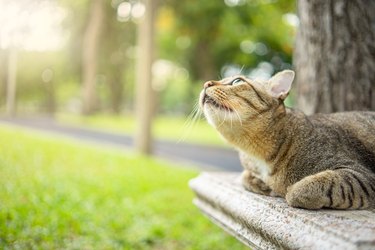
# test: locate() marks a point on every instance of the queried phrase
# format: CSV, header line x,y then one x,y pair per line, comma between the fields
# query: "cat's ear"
x,y
279,85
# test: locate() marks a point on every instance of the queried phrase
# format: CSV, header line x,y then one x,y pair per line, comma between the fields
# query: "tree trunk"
x,y
144,92
90,56
334,56
3,79
116,89
204,65
11,82
51,99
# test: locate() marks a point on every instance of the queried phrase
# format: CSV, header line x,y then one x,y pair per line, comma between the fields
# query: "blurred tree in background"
x,y
90,48
216,35
215,39
195,41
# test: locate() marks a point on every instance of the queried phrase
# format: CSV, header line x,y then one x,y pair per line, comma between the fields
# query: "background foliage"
x,y
196,41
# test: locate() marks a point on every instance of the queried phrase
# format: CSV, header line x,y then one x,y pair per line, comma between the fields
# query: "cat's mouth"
x,y
209,100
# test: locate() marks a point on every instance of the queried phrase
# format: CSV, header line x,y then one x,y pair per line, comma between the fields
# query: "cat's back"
x,y
352,130
360,125
327,140
353,120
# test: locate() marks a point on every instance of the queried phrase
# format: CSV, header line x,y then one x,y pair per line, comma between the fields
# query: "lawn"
x,y
164,127
57,193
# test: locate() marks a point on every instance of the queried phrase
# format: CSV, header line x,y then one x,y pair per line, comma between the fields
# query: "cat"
x,y
314,162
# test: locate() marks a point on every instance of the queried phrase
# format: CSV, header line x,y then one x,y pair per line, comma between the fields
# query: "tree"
x,y
242,33
49,90
335,55
90,56
144,91
2,77
11,82
115,64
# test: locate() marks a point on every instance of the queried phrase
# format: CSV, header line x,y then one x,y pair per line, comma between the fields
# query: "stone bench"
x,y
269,223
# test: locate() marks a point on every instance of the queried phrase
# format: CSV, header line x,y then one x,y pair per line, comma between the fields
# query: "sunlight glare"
x,y
124,11
32,25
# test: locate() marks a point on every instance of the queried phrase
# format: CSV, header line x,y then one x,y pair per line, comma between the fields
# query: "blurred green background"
x,y
62,194
195,41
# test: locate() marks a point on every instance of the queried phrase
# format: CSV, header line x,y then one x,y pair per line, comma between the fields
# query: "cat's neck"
x,y
260,136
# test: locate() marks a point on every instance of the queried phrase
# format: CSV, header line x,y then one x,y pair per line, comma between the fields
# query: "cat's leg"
x,y
254,184
343,188
249,179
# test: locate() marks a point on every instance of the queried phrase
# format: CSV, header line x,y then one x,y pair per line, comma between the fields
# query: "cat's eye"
x,y
236,81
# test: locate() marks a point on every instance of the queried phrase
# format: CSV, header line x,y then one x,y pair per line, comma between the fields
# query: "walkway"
x,y
207,158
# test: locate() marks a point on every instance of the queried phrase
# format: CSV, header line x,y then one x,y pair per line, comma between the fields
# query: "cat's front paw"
x,y
300,200
305,194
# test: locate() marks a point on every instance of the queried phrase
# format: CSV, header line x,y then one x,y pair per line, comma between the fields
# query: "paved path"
x,y
205,157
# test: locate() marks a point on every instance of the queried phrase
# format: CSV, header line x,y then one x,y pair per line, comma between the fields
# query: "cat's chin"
x,y
217,117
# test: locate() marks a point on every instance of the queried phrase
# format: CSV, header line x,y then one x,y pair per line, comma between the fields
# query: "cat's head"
x,y
237,100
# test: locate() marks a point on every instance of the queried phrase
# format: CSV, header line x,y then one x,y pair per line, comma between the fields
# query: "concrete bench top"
x,y
269,223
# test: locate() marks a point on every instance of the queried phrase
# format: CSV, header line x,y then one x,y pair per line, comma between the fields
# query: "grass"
x,y
60,194
164,127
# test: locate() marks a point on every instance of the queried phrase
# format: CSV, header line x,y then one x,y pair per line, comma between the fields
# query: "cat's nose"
x,y
208,84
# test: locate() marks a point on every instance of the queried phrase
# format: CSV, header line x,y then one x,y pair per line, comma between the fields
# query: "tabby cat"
x,y
318,161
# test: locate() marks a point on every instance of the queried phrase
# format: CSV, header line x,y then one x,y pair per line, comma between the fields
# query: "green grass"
x,y
164,127
60,194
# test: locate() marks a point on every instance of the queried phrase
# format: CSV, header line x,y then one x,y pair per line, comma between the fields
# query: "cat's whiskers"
x,y
191,121
231,122
243,66
238,115
232,108
228,109
227,112
225,116
193,115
